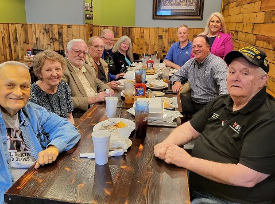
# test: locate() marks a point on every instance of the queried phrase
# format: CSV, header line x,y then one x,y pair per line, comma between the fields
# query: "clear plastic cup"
x,y
129,87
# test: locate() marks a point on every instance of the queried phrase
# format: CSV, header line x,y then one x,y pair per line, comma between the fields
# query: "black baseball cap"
x,y
252,54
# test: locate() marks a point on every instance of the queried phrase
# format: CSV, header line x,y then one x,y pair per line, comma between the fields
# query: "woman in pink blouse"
x,y
220,41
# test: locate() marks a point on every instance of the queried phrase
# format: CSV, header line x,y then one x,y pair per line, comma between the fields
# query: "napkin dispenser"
x,y
155,107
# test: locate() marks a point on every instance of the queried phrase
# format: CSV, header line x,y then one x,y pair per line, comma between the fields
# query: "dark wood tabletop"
x,y
134,178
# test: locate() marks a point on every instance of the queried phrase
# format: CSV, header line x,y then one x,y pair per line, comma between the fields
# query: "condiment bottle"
x,y
140,89
150,63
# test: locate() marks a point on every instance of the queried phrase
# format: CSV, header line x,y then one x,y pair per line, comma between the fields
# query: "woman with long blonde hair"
x,y
123,54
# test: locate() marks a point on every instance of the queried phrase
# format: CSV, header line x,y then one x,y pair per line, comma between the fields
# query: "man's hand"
x,y
46,156
177,155
160,150
101,96
120,75
177,86
113,84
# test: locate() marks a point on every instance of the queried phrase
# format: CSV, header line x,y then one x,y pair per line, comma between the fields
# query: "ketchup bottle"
x,y
150,63
140,89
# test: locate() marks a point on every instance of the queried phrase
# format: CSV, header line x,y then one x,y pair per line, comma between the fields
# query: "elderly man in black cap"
x,y
233,160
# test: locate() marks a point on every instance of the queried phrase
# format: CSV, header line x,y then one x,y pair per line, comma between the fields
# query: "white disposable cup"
x,y
101,140
111,106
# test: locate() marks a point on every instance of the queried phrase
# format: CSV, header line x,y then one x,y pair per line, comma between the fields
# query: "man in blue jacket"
x,y
28,133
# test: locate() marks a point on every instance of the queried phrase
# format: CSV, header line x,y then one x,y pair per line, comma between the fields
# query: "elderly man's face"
x,y
15,84
97,48
108,40
244,79
77,54
200,49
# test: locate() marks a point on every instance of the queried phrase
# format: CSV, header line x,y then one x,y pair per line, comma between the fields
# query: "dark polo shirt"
x,y
246,136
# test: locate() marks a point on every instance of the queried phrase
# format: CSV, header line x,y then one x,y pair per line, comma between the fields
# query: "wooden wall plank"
x,y
17,38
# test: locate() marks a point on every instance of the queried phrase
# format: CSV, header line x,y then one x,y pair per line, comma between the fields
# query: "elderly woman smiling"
x,y
123,55
49,91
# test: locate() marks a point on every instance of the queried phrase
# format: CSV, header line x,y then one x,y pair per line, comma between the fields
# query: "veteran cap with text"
x,y
252,54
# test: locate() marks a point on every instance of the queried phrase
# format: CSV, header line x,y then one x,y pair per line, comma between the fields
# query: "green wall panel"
x,y
12,11
114,12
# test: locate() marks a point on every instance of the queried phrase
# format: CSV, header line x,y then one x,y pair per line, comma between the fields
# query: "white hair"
x,y
14,63
71,42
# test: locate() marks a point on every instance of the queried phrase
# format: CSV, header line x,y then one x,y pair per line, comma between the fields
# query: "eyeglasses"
x,y
79,52
98,46
108,39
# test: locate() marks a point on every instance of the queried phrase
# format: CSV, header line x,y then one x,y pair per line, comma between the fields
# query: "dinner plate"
x,y
157,85
158,93
109,125
119,136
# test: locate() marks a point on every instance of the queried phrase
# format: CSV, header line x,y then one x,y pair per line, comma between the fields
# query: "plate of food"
x,y
157,85
158,93
117,126
120,129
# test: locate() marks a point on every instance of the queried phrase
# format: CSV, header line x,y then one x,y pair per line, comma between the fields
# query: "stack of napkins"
x,y
155,107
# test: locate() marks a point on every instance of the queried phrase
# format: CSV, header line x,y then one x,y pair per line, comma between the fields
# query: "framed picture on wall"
x,y
87,7
178,9
88,16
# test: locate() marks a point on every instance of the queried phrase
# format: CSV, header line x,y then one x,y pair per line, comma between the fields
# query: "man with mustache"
x,y
206,74
86,88
233,158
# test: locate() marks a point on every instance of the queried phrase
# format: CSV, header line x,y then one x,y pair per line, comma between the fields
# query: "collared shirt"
x,y
245,136
207,79
87,86
179,55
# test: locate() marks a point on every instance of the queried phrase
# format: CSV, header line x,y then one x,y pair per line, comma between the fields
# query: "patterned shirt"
x,y
207,79
59,103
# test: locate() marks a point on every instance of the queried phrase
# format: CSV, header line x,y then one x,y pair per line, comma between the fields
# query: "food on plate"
x,y
117,142
167,105
150,71
114,126
158,93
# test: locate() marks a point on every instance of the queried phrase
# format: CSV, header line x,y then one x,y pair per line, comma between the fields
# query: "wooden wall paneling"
x,y
135,37
61,44
4,49
47,32
153,41
64,36
165,46
120,32
160,43
146,43
156,40
13,41
54,38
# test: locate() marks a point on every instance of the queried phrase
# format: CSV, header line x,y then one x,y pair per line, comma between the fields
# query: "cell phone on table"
x,y
170,92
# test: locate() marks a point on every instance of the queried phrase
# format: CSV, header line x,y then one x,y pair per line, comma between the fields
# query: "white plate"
x,y
125,132
157,85
119,136
158,93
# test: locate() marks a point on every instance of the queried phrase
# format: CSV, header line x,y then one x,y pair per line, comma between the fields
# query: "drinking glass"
x,y
141,118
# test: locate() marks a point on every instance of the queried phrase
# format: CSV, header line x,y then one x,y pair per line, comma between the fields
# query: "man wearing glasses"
x,y
95,50
86,88
108,38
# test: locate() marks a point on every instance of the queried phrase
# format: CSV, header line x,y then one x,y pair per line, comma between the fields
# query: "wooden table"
x,y
135,178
